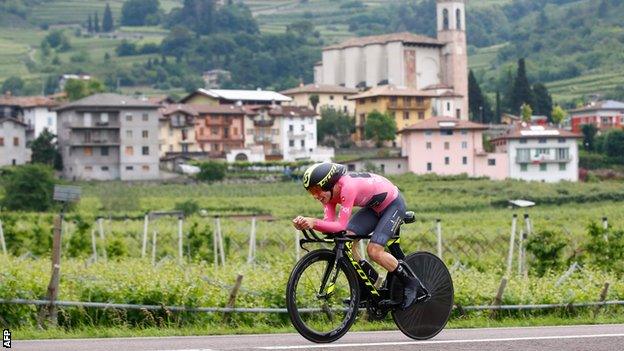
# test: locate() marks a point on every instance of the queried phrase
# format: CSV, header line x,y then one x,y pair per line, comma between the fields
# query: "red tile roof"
x,y
531,132
28,101
228,109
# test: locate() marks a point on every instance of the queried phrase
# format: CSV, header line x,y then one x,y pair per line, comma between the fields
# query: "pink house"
x,y
448,146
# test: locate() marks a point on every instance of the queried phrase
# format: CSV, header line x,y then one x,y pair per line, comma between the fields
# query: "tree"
x,y
335,128
89,24
480,108
542,100
603,9
526,112
136,12
29,188
589,135
314,100
522,93
614,144
126,48
77,89
107,21
176,42
44,150
558,114
497,114
380,127
96,23
14,85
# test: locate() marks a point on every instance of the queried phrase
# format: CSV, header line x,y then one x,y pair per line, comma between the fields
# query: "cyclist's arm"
x,y
329,212
334,226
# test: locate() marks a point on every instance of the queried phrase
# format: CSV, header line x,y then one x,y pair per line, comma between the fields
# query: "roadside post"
x,y
64,195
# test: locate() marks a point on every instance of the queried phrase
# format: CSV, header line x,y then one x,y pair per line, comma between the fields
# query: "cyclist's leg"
x,y
361,223
385,229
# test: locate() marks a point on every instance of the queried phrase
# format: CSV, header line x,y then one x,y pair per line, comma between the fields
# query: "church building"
x,y
436,65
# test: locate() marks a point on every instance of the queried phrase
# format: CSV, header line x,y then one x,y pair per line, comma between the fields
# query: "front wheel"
x,y
322,297
425,320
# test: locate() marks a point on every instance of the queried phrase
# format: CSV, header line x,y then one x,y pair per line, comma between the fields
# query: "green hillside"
x,y
573,46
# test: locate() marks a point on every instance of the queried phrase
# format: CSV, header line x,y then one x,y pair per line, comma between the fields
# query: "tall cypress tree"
x,y
107,20
479,106
543,100
96,22
522,93
497,115
89,24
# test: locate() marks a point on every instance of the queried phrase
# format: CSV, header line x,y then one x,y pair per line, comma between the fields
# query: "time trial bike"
x,y
327,288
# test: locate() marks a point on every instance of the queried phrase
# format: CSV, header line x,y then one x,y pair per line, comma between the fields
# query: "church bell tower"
x,y
451,23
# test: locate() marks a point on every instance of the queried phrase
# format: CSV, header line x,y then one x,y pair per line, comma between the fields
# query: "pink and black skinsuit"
x,y
382,207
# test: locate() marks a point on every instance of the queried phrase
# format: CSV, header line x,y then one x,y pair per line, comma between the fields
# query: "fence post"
x,y
529,231
4,251
512,240
603,297
498,300
605,222
520,244
297,248
215,245
439,235
180,224
232,300
154,248
145,224
221,249
94,246
567,274
251,255
102,237
53,287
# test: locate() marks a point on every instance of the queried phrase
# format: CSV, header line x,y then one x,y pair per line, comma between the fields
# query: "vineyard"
x,y
112,253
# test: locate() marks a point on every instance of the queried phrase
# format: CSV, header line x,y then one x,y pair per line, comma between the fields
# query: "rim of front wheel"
x,y
322,314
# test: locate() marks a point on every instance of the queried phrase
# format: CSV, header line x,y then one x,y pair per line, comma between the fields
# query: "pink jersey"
x,y
357,189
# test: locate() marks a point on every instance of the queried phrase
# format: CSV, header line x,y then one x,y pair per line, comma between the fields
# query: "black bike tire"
x,y
291,300
437,310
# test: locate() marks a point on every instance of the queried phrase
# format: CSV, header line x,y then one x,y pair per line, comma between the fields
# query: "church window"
x,y
458,19
445,19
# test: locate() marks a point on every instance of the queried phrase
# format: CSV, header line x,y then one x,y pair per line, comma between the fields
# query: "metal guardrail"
x,y
280,310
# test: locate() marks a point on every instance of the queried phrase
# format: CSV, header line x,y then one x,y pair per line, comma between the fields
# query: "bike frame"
x,y
343,249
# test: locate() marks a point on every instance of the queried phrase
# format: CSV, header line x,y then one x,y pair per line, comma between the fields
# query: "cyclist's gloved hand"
x,y
301,222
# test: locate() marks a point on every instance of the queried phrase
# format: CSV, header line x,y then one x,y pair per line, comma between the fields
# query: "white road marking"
x,y
554,337
188,350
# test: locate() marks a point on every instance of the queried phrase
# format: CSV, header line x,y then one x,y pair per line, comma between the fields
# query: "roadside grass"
x,y
477,320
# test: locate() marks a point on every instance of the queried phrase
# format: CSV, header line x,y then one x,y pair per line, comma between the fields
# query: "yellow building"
x,y
334,96
177,130
405,104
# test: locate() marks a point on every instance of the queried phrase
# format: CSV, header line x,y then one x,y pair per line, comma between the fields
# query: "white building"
x,y
283,132
13,142
37,112
538,153
405,59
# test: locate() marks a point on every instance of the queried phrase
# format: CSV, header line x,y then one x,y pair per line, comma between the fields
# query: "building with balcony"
x,y
604,115
13,149
405,105
177,130
329,96
109,136
283,132
448,146
37,112
540,153
219,129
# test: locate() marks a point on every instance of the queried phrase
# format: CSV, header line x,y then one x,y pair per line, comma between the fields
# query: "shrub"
x,y
29,188
547,248
187,207
211,171
604,248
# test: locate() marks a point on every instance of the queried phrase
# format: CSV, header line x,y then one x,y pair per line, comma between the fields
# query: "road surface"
x,y
584,337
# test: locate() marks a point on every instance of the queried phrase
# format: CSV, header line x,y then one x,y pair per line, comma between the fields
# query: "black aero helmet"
x,y
323,175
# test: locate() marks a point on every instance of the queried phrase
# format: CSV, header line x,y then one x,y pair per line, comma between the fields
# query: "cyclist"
x,y
382,209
